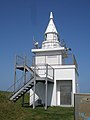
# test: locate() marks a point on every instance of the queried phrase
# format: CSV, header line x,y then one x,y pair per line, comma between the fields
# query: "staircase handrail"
x,y
14,84
42,67
23,85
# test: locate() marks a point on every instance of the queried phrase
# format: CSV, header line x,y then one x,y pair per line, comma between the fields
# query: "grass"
x,y
14,111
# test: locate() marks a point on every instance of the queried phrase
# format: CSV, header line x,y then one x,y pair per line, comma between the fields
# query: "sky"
x,y
23,20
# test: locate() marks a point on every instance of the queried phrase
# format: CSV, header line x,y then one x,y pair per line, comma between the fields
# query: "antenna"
x,y
63,44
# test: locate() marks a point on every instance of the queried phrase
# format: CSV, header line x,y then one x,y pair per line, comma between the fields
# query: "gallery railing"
x,y
44,70
69,59
57,59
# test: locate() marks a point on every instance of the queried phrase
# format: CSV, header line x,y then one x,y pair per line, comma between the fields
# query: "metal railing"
x,y
18,84
22,79
56,59
22,61
44,69
69,59
27,76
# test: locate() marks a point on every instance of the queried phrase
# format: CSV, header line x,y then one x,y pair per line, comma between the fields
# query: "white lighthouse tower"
x,y
62,68
53,79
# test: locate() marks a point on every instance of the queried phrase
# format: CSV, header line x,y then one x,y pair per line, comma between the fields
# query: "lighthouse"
x,y
61,91
53,76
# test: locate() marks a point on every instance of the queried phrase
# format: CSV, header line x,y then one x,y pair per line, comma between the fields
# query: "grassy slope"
x,y
14,111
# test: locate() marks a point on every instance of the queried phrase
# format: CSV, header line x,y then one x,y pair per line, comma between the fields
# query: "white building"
x,y
54,78
61,91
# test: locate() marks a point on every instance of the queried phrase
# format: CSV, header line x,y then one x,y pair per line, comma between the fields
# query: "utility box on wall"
x,y
82,106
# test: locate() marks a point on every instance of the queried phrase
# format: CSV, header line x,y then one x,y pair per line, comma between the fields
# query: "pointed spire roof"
x,y
51,15
51,26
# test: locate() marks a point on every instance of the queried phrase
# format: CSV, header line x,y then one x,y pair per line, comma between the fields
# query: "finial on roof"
x,y
51,15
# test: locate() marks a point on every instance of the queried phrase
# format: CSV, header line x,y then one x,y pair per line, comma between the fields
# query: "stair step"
x,y
29,87
24,90
19,95
32,83
14,99
22,93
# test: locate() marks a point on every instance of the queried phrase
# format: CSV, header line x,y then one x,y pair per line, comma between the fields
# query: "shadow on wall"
x,y
40,91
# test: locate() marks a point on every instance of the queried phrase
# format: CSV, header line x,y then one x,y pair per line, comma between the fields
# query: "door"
x,y
65,92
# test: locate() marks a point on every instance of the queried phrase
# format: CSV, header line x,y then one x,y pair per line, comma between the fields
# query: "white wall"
x,y
62,72
53,89
51,59
65,74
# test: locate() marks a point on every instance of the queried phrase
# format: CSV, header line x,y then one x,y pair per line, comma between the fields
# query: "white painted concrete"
x,y
51,53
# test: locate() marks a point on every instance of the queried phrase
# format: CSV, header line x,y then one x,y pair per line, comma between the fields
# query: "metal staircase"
x,y
23,85
41,73
22,90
